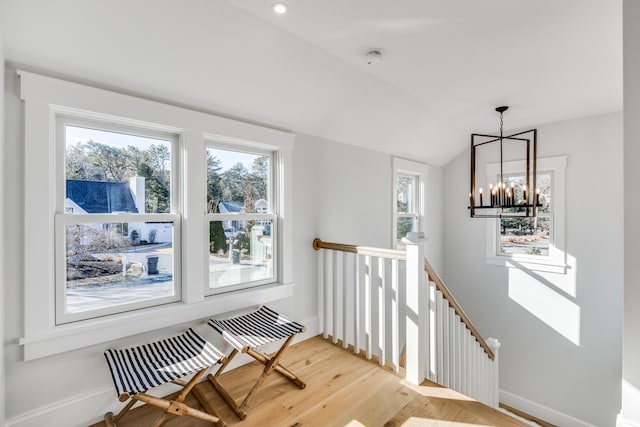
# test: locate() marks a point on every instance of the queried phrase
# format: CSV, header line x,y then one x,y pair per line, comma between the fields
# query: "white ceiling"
x,y
447,63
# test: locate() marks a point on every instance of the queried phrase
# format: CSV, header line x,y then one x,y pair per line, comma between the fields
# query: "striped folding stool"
x,y
248,332
137,369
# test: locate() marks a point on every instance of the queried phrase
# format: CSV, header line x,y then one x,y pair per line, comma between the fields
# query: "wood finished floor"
x,y
342,390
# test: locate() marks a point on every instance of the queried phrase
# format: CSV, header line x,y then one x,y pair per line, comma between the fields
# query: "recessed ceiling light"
x,y
280,8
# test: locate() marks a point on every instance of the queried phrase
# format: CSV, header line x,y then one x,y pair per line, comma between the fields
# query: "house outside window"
x,y
408,198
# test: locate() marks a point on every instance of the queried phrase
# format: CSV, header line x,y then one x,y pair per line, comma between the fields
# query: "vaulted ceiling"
x,y
446,64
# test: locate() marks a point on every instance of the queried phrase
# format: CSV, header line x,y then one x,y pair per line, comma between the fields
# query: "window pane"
x,y
405,225
106,268
108,171
237,181
405,188
240,252
528,236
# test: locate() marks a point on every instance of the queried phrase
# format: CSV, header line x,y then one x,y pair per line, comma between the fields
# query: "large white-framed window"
x,y
408,198
77,216
534,243
106,265
242,196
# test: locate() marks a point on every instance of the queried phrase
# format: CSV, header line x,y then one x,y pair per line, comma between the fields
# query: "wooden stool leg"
x,y
111,421
282,370
227,397
226,362
206,404
272,362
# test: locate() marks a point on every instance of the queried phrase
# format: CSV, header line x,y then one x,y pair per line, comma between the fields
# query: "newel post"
x,y
494,345
416,315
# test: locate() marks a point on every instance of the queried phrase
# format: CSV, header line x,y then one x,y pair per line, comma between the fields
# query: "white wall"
x,y
341,193
631,349
2,227
569,363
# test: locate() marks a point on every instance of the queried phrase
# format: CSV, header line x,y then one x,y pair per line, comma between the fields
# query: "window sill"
x,y
95,331
543,265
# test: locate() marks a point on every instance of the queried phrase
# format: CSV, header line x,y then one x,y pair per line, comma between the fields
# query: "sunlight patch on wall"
x,y
537,294
630,398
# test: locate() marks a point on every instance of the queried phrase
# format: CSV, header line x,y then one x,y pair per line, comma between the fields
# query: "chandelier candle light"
x,y
502,195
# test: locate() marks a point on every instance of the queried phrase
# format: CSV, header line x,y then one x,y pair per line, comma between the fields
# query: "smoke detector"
x,y
374,55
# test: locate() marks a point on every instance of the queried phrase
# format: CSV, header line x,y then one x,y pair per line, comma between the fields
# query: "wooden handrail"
x,y
360,250
431,272
435,278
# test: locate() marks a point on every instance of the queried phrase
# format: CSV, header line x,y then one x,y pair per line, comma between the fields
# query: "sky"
x,y
76,135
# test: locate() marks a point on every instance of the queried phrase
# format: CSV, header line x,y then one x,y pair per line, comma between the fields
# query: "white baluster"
x,y
367,298
382,297
472,367
470,342
357,304
334,288
346,291
439,339
446,349
321,294
328,289
432,333
453,345
395,326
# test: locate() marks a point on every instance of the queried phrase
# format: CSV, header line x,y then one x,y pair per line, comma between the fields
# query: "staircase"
x,y
393,306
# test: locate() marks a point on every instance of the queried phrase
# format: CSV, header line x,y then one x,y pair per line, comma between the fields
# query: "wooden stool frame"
x,y
171,407
271,362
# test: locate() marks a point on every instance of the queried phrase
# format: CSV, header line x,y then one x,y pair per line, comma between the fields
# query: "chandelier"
x,y
505,198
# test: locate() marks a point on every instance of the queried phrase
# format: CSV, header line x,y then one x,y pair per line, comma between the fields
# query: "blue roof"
x,y
101,196
231,207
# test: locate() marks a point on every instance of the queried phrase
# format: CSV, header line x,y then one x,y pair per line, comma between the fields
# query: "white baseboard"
x,y
622,422
544,413
89,408
76,411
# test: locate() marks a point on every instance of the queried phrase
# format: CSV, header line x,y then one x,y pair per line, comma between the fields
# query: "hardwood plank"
x,y
343,389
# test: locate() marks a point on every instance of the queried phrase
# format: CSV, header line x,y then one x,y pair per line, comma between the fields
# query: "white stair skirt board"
x,y
622,422
544,413
89,408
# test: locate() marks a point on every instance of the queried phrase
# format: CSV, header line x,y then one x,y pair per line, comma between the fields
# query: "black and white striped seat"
x,y
141,368
255,329
137,369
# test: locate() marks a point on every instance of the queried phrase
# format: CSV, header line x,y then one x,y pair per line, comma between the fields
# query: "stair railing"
x,y
379,301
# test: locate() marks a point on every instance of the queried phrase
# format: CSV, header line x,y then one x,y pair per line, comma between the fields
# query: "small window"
x,y
528,236
408,198
108,266
536,243
242,219
407,216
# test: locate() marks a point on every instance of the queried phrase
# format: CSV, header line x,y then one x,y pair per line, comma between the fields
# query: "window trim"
x,y
404,167
43,97
556,261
